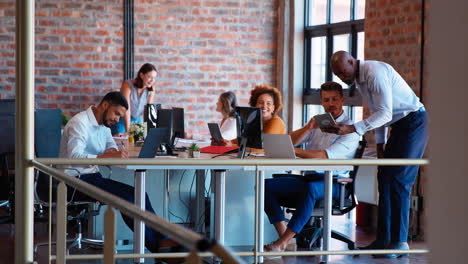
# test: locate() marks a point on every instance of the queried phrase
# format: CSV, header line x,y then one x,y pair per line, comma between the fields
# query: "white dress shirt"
x,y
228,128
83,137
388,96
336,146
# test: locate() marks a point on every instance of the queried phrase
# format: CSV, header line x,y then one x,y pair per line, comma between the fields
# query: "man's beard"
x,y
104,120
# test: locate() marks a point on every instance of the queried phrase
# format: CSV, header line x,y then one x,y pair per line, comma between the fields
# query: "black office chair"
x,y
310,235
47,145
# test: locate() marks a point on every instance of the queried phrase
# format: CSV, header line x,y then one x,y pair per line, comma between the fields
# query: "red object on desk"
x,y
217,149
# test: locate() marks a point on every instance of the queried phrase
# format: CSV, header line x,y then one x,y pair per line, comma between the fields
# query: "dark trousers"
x,y
293,192
408,140
126,192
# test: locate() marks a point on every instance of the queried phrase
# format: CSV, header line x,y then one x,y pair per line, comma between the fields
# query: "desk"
x,y
259,165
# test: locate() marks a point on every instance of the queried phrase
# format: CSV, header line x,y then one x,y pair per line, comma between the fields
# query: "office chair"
x,y
47,145
310,235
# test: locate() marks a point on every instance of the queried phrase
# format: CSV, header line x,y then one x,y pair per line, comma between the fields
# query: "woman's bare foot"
x,y
274,247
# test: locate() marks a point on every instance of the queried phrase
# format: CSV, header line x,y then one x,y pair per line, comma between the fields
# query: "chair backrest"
x,y
47,132
350,187
358,155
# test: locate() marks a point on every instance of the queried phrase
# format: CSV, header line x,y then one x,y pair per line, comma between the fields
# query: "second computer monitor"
x,y
165,120
249,126
178,122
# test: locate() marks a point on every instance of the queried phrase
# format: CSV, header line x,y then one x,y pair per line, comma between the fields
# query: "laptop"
x,y
278,146
152,142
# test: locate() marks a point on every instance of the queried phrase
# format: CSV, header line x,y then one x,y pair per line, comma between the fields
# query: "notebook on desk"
x,y
218,149
278,146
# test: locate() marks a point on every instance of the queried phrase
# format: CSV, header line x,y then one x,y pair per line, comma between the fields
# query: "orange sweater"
x,y
274,126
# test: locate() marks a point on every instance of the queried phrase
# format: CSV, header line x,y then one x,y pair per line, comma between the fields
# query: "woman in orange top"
x,y
268,99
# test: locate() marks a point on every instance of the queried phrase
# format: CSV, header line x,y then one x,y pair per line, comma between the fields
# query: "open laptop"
x,y
278,146
152,142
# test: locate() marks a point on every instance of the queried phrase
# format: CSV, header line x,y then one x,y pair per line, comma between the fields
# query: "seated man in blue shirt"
x,y
300,193
88,135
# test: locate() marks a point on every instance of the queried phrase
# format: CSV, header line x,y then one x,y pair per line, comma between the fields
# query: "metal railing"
x,y
183,236
193,239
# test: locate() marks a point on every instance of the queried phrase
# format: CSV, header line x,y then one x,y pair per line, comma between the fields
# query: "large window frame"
x,y
311,95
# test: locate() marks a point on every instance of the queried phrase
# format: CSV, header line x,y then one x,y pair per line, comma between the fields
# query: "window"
x,y
331,25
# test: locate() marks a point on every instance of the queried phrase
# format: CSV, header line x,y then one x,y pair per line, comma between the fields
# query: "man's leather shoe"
x,y
377,244
394,246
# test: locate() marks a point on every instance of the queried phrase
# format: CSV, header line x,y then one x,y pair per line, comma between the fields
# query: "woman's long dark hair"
x,y
145,68
228,103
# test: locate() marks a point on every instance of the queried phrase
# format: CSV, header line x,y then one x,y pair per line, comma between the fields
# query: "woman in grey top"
x,y
138,92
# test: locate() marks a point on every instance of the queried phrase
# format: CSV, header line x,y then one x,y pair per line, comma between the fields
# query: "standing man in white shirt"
x,y
302,193
393,104
88,135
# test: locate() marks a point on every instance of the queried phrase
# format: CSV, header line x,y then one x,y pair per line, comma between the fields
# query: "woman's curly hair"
x,y
266,89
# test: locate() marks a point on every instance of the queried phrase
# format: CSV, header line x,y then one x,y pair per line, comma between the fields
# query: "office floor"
x,y
342,224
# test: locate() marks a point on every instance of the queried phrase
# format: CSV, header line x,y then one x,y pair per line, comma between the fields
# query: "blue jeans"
x,y
126,192
408,140
294,193
119,127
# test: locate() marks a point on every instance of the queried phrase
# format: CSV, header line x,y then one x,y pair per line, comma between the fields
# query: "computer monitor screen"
x,y
7,133
7,106
249,126
165,119
178,122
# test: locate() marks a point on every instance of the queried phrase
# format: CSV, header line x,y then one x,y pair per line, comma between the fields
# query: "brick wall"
x,y
200,47
78,50
393,35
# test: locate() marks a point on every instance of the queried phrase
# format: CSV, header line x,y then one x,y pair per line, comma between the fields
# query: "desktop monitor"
x,y
7,133
178,123
150,115
165,120
7,106
249,128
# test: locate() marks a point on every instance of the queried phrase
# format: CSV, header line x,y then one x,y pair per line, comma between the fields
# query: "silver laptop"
x,y
278,146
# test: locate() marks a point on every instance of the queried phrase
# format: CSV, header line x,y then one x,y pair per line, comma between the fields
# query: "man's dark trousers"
x,y
408,140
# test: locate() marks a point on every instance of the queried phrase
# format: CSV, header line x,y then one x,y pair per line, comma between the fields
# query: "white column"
x,y
24,142
139,226
327,212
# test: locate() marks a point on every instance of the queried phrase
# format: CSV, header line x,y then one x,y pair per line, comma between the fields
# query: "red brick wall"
x,y
393,35
201,49
78,52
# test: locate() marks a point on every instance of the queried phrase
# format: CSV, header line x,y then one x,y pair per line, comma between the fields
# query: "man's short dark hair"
x,y
115,98
331,86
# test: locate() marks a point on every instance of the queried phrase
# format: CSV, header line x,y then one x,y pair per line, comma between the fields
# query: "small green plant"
x,y
194,147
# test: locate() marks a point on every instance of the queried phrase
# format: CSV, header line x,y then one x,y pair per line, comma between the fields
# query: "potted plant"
x,y
194,151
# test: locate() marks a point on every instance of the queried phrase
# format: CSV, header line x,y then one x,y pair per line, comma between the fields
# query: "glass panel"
x,y
341,11
341,42
312,110
317,12
318,60
360,45
360,8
